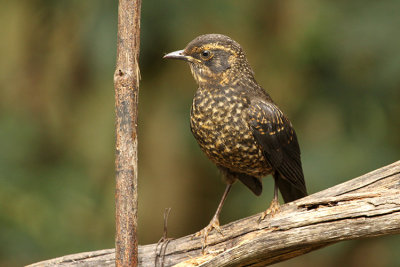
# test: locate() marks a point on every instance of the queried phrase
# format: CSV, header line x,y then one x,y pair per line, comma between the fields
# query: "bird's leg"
x,y
274,207
214,223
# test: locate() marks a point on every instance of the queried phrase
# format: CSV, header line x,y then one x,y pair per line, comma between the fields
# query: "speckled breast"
x,y
218,122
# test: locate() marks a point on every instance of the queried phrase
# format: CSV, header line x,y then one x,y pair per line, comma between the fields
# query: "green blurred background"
x,y
332,66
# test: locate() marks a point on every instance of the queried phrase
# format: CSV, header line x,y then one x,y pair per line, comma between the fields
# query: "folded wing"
x,y
278,140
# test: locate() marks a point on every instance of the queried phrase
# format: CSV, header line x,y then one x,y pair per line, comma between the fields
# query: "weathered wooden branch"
x,y
126,85
364,207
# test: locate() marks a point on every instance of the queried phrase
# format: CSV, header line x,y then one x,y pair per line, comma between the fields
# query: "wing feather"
x,y
275,134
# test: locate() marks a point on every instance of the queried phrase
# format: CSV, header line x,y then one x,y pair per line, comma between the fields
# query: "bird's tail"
x,y
253,183
289,191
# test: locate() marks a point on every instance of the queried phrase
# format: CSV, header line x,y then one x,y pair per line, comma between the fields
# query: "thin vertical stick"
x,y
126,85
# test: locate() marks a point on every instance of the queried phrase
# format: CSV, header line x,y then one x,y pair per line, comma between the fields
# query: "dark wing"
x,y
275,134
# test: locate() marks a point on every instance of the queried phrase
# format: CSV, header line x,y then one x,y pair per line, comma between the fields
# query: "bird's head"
x,y
214,58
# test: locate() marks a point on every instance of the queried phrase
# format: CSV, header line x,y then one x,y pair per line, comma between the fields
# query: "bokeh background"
x,y
332,66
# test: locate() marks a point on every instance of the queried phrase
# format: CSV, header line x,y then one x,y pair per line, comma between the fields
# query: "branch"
x,y
366,206
126,85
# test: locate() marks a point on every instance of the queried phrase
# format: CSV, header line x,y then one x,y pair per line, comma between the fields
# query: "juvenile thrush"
x,y
237,125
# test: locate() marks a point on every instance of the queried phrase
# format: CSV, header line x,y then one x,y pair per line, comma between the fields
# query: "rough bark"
x,y
363,207
126,85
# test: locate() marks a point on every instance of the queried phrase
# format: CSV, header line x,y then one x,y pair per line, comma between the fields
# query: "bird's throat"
x,y
204,76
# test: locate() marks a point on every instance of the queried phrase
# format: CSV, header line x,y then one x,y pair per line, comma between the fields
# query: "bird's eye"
x,y
206,54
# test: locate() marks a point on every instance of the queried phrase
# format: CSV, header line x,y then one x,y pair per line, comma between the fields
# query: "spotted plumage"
x,y
236,123
219,123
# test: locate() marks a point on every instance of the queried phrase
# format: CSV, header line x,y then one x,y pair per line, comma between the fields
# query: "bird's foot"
x,y
272,210
214,224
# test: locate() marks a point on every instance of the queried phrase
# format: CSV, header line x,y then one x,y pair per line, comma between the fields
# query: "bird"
x,y
238,125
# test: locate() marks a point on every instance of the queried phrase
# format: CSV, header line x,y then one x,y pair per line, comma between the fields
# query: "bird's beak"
x,y
177,55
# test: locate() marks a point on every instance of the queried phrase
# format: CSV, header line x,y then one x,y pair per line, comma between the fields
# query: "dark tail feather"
x,y
253,183
289,191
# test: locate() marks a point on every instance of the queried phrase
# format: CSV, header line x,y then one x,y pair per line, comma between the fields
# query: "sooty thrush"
x,y
237,125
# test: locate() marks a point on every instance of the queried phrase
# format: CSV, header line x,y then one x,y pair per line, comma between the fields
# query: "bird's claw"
x,y
214,224
272,210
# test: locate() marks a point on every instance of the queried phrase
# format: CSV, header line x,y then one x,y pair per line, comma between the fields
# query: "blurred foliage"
x,y
333,67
